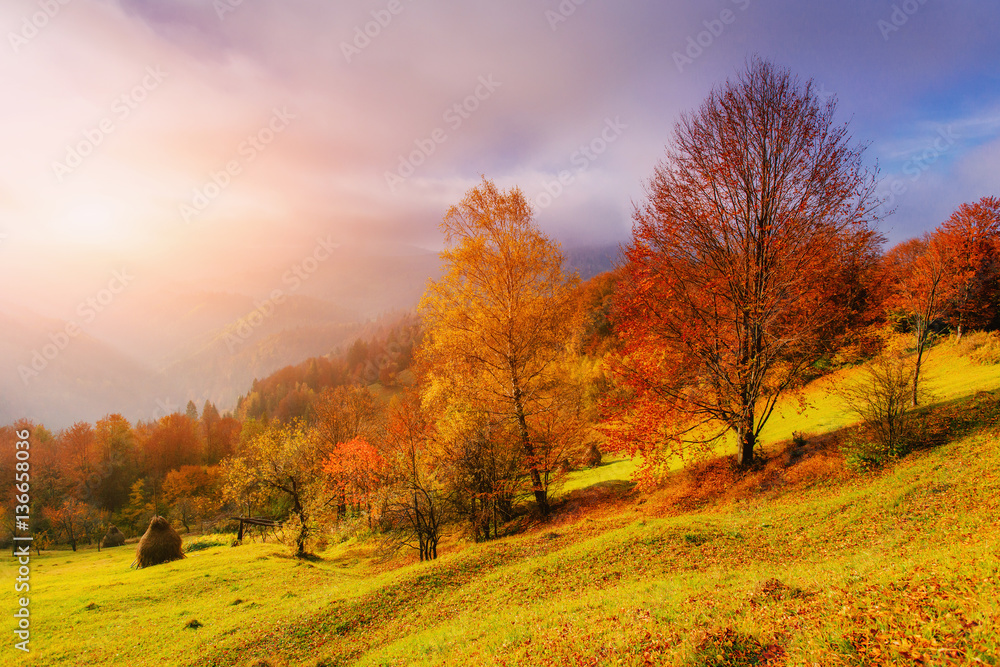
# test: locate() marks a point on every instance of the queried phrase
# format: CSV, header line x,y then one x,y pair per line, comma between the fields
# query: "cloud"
x,y
367,91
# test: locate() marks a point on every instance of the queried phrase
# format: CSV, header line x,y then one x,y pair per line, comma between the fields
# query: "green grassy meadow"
x,y
809,565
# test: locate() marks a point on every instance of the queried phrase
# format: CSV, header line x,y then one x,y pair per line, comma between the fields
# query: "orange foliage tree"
x,y
742,268
72,518
969,242
499,317
173,442
356,471
415,508
917,271
81,460
346,413
193,492
220,434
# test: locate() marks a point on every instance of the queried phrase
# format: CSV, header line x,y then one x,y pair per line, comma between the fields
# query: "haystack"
x,y
159,544
114,538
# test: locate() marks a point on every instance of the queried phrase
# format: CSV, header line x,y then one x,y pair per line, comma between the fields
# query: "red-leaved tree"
x,y
742,270
969,242
916,270
356,471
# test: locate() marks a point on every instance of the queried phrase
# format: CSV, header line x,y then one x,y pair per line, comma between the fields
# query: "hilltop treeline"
x,y
382,356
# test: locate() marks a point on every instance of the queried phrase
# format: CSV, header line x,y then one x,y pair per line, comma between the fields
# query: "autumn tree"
x,y
49,483
285,461
735,279
173,442
71,519
118,463
192,492
500,314
415,508
969,242
8,459
917,271
482,472
356,471
146,500
220,434
81,460
345,413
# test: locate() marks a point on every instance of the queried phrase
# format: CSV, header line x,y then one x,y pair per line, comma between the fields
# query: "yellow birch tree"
x,y
498,319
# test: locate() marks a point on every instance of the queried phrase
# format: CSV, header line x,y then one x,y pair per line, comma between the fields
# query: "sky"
x,y
188,141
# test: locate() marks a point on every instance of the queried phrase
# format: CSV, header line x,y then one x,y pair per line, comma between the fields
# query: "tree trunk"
x,y
300,540
541,497
747,441
921,343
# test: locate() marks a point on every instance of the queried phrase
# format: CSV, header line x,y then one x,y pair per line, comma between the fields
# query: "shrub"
x,y
861,454
880,399
202,544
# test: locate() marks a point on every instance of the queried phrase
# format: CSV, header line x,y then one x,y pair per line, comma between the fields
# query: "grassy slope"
x,y
848,572
947,376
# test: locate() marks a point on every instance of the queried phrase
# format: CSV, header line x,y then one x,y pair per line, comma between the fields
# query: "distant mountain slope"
x,y
88,378
156,348
222,370
83,380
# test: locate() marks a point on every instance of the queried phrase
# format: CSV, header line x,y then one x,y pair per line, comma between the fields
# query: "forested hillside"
x,y
764,437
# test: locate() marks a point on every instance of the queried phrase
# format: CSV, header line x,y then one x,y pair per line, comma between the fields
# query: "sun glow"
x,y
92,220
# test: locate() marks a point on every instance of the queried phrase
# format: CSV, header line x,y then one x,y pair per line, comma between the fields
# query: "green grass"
x,y
819,409
872,570
612,469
